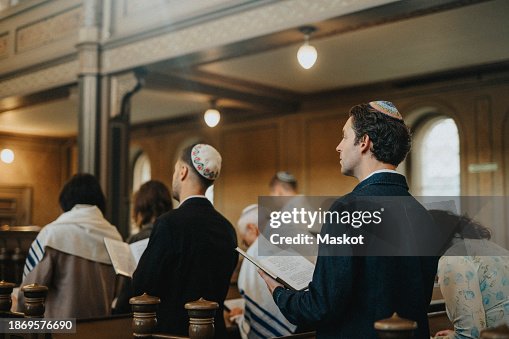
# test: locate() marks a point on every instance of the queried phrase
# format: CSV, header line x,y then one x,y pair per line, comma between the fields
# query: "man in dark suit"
x,y
349,293
191,251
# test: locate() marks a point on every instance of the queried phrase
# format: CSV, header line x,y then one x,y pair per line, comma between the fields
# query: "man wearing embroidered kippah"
x,y
349,293
191,252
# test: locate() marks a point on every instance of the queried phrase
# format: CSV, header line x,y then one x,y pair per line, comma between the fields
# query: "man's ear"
x,y
365,143
184,172
253,227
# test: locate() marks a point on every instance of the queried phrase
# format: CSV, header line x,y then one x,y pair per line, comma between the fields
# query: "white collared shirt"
x,y
382,171
192,196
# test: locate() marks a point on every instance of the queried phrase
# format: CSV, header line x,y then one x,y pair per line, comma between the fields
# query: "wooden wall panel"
x,y
305,143
250,159
41,164
322,161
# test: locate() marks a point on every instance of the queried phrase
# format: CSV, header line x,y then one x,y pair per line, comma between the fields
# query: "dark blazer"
x,y
191,254
349,293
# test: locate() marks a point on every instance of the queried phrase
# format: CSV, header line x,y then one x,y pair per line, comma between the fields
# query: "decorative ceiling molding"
x,y
50,77
256,22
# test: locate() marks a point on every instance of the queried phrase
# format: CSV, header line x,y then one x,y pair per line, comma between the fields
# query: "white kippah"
x,y
206,160
249,216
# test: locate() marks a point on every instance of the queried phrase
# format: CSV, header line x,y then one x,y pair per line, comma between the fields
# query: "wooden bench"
x,y
33,308
143,322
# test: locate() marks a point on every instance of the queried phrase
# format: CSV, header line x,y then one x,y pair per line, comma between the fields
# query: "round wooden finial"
x,y
4,286
35,296
144,299
201,304
500,332
144,315
395,328
395,323
35,288
5,295
201,318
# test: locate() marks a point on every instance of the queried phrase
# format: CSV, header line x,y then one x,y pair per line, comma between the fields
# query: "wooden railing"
x,y
144,321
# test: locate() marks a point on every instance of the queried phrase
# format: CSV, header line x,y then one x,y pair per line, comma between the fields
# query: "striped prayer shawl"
x,y
262,323
79,232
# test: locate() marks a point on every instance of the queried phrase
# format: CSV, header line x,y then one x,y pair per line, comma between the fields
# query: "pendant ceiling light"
x,y
307,54
212,116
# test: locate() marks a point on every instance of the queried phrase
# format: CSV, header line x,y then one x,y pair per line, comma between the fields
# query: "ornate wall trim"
x,y
47,30
251,23
43,79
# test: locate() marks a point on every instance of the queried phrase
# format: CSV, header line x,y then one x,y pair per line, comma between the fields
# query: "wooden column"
x,y
122,89
89,89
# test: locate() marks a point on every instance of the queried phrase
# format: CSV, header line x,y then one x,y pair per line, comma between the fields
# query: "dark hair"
x,y
390,136
285,179
452,224
185,156
151,200
82,189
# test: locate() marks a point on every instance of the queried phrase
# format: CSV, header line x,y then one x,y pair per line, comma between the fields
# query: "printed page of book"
x,y
137,249
121,257
256,263
290,269
294,269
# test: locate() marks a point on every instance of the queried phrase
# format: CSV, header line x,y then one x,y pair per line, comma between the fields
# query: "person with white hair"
x,y
261,317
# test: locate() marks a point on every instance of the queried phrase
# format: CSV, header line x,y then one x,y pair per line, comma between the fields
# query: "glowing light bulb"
x,y
7,156
307,55
212,117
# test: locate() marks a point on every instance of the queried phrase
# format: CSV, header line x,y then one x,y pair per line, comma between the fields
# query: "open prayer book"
x,y
290,269
125,257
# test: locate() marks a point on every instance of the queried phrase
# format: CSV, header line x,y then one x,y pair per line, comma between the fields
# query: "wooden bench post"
x,y
395,328
144,315
35,296
5,296
201,318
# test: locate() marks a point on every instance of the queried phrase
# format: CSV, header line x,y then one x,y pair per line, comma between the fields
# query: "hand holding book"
x,y
291,270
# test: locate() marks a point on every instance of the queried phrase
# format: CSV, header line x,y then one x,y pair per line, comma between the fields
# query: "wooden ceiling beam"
x,y
257,100
22,101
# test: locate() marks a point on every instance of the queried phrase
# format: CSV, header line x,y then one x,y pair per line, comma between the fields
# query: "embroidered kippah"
x,y
387,108
206,160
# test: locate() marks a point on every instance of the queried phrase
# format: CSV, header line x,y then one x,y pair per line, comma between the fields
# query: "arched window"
x,y
141,172
436,159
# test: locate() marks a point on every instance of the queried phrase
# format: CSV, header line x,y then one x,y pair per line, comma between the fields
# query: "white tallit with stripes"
x,y
79,232
262,318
